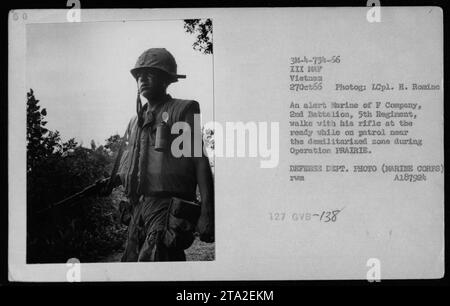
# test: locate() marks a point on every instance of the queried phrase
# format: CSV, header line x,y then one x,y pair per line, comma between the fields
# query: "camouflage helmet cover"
x,y
158,58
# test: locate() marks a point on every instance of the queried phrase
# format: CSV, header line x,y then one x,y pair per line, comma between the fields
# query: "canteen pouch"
x,y
162,137
182,217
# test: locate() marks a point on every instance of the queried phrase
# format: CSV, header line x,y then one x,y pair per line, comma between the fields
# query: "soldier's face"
x,y
152,83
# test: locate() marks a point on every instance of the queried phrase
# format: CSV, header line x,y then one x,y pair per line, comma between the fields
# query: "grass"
x,y
200,251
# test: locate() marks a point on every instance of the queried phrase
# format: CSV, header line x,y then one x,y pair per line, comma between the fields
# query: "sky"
x,y
80,72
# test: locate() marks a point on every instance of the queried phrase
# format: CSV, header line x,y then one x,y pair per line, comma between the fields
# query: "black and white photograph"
x,y
104,183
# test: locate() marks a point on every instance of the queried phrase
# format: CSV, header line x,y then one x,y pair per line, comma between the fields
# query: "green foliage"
x,y
203,29
55,170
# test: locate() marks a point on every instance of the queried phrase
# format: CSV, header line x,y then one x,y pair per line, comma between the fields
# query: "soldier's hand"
x,y
205,226
103,187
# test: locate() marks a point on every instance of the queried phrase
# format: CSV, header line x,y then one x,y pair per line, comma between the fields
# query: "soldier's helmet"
x,y
158,58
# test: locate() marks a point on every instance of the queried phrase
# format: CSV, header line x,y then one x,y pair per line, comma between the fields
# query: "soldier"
x,y
153,178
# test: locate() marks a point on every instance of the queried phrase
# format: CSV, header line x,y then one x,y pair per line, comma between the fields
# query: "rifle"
x,y
94,188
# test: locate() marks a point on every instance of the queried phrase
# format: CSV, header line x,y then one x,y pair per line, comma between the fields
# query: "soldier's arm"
x,y
204,181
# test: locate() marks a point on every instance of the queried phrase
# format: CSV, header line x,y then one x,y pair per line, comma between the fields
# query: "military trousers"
x,y
145,241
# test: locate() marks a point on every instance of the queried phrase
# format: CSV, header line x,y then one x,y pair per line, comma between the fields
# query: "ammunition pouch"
x,y
182,217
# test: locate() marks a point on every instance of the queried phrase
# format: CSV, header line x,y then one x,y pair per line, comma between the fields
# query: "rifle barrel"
x,y
73,198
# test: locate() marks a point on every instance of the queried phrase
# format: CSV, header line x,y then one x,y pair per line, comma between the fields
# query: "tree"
x,y
56,170
40,143
113,143
203,28
69,147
